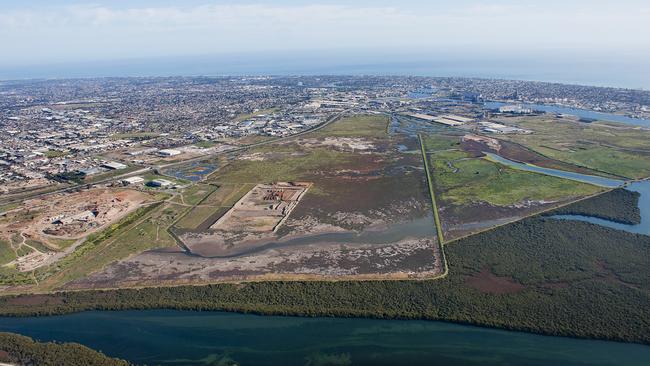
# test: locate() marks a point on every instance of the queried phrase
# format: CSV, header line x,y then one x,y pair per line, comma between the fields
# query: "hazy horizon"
x,y
572,41
603,72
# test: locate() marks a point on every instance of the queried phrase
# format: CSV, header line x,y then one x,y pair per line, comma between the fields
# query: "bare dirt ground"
x,y
16,187
47,229
263,208
356,144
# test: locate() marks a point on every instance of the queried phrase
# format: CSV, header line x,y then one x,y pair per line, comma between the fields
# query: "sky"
x,y
55,32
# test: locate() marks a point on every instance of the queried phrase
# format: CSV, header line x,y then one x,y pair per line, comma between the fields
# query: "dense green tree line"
x,y
618,205
23,350
575,279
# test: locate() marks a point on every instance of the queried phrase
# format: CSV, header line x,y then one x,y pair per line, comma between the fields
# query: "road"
x,y
199,158
257,144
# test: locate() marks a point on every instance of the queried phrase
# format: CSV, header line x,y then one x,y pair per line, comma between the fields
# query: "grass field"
x,y
616,149
356,126
440,142
205,144
221,197
464,180
197,192
285,166
62,243
609,160
471,180
221,194
8,207
55,153
7,254
245,116
197,215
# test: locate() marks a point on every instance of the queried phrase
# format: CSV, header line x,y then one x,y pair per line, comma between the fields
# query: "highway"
x,y
159,167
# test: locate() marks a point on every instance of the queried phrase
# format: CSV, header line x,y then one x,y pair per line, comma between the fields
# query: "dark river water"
x,y
170,337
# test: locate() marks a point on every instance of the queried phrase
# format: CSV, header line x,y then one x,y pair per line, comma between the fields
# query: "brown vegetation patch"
x,y
487,282
607,274
4,356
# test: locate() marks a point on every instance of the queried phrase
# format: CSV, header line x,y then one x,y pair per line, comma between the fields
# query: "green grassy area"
x,y
197,215
151,233
221,194
134,135
237,195
285,167
245,116
7,254
8,207
218,201
357,126
205,144
605,159
38,245
23,250
463,180
55,153
196,193
62,243
440,142
9,275
616,149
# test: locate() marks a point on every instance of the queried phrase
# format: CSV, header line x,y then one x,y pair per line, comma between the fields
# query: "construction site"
x,y
263,208
43,230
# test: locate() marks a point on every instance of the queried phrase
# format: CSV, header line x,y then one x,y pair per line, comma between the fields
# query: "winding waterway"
x,y
581,113
592,179
170,337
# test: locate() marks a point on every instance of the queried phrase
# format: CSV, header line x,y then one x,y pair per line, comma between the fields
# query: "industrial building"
x,y
132,180
169,152
114,165
160,183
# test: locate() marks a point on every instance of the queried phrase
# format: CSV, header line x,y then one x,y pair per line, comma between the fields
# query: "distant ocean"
x,y
571,70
